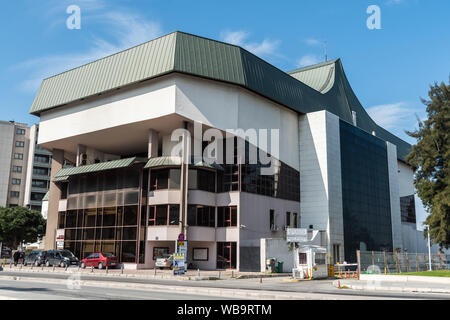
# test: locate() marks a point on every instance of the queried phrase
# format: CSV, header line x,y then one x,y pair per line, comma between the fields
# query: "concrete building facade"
x,y
332,168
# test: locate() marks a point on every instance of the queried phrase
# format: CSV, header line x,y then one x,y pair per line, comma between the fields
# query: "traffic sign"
x,y
181,237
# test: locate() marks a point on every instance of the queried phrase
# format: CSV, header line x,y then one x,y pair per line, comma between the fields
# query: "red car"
x,y
99,260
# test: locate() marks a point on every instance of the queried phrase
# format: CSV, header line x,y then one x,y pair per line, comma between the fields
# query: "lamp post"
x,y
429,248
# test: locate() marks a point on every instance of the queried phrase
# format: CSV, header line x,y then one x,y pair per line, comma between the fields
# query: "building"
x,y
14,146
332,167
38,172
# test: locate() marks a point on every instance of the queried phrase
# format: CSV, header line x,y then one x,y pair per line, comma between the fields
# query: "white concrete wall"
x,y
44,209
225,107
6,147
30,162
278,249
150,101
394,195
405,179
320,175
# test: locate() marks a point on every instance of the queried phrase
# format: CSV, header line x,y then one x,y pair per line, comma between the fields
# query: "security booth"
x,y
310,262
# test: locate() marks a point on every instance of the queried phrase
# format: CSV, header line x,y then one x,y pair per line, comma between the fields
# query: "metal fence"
x,y
399,262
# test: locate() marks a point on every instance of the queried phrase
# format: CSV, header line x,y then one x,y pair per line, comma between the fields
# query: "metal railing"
x,y
400,262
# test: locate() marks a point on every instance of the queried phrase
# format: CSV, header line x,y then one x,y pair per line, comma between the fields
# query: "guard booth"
x,y
310,262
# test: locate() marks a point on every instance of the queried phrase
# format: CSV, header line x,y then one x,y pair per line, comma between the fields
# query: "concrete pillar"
x,y
53,203
153,142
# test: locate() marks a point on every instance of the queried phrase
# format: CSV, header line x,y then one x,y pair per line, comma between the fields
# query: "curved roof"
x,y
320,87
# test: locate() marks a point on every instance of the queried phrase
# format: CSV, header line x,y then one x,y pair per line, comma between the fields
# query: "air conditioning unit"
x,y
83,159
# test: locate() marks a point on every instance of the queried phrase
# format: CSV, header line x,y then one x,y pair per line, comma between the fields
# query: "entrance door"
x,y
226,255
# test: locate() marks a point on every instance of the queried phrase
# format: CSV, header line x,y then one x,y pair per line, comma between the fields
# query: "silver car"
x,y
165,261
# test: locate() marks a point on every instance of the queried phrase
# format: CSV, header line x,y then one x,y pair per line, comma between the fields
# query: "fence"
x,y
399,262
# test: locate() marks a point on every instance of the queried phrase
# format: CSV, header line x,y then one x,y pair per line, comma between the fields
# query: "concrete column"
x,y
53,203
153,141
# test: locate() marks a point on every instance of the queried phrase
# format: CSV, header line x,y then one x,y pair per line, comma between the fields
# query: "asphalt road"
x,y
32,290
37,287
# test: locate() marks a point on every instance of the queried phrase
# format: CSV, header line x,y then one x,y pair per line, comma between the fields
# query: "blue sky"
x,y
389,69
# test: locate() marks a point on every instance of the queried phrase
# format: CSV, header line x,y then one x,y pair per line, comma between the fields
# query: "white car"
x,y
166,261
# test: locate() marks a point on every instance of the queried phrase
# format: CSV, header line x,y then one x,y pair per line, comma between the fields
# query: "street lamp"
x,y
429,248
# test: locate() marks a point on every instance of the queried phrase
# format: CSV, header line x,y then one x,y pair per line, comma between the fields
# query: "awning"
x,y
170,161
64,174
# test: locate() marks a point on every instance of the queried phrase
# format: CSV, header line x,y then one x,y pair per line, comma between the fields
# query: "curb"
x,y
387,288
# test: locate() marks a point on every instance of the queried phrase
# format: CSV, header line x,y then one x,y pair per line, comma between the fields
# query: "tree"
x,y
431,156
19,225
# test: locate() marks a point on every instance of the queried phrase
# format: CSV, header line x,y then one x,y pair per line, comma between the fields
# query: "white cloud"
x,y
308,60
390,116
265,48
126,29
313,42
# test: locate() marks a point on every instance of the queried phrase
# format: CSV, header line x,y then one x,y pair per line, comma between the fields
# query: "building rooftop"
x,y
319,87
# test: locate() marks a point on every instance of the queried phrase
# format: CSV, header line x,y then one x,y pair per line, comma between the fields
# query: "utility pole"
x,y
429,248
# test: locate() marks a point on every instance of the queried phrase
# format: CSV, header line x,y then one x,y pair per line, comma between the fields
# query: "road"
x,y
32,290
56,286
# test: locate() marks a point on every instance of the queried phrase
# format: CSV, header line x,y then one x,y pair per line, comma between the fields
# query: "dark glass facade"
x,y
365,192
408,209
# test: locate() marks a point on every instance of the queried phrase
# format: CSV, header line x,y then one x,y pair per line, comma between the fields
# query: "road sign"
x,y
181,237
296,235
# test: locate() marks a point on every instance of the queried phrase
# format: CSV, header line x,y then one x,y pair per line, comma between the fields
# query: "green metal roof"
x,y
46,197
320,87
116,164
61,179
169,161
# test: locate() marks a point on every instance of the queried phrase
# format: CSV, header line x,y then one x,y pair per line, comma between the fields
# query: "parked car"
x,y
166,261
100,260
60,258
35,257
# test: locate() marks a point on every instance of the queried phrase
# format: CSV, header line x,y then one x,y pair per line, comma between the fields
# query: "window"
x,y
288,219
20,131
16,181
36,196
295,220
20,144
17,169
159,179
200,254
174,214
272,219
18,156
201,216
42,158
40,171
14,194
39,183
226,217
159,252
161,215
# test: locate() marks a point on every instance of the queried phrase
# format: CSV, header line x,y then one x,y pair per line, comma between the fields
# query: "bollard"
x,y
92,269
31,267
65,269
219,275
121,269
260,279
106,269
53,268
339,284
154,271
42,268
198,272
10,265
232,274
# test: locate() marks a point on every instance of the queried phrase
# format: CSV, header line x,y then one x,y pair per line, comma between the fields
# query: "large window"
x,y
226,217
408,209
14,194
42,158
20,131
16,181
41,171
17,169
37,196
20,144
18,156
202,180
201,216
103,214
39,183
365,192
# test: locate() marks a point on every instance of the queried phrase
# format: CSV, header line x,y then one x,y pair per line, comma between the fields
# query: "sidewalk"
x,y
195,275
409,286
